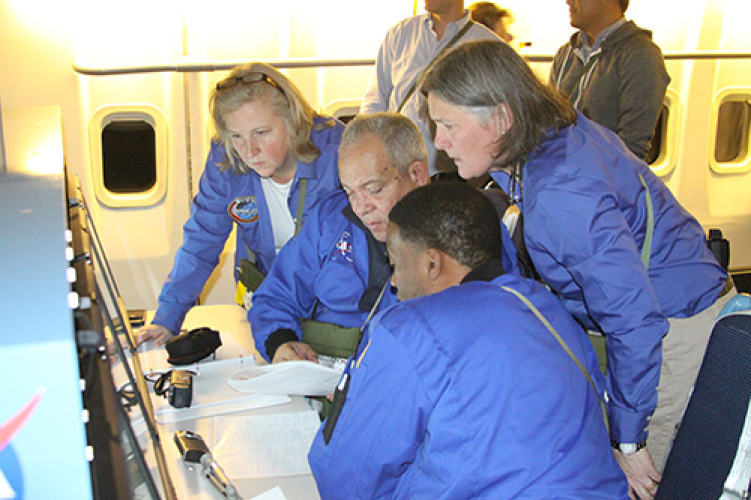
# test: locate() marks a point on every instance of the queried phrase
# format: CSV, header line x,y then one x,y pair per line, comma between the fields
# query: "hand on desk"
x,y
642,475
158,333
295,351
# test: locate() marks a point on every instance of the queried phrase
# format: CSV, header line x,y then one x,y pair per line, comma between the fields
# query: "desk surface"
x,y
188,483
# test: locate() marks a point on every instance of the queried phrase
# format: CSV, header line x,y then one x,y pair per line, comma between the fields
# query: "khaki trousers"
x,y
682,353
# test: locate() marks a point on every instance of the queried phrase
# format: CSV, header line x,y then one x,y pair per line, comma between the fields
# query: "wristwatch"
x,y
628,448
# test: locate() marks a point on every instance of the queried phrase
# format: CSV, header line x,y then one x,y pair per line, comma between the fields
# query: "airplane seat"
x,y
343,109
739,303
711,452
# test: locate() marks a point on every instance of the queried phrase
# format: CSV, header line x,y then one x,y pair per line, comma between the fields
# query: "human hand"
x,y
160,334
642,475
295,351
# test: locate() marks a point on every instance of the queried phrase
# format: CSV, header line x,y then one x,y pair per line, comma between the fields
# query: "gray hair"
x,y
401,137
479,76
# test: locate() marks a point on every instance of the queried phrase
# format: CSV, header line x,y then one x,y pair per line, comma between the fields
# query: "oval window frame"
x,y
106,115
739,165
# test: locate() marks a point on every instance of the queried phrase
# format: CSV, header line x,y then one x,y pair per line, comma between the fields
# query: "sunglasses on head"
x,y
248,79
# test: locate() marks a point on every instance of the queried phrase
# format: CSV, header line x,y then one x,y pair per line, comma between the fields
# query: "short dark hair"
x,y
452,217
477,76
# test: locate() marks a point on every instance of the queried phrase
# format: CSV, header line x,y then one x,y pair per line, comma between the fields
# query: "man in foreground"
x,y
463,391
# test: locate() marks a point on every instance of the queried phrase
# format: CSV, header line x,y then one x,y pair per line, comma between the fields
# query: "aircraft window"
x,y
662,153
346,118
343,109
655,148
731,141
128,156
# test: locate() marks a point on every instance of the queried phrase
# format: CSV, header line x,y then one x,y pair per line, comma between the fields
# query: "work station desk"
x,y
190,484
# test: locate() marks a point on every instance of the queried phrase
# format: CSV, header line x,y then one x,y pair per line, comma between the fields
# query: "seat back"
x,y
707,442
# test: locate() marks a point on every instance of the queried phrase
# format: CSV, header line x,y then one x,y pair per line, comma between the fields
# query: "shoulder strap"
x,y
646,249
563,343
298,221
444,49
301,204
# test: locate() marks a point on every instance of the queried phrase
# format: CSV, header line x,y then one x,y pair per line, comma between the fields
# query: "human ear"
x,y
502,119
433,263
418,173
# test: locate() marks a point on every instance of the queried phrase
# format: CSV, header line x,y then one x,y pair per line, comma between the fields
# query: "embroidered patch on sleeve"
x,y
343,247
243,209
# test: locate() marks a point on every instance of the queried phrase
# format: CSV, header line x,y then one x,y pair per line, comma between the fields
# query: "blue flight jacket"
x,y
585,221
465,394
225,199
328,268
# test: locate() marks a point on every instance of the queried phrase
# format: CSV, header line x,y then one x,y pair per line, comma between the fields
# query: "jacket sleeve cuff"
x,y
170,316
628,426
276,339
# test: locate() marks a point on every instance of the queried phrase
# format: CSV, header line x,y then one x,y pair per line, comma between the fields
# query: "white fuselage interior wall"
x,y
40,48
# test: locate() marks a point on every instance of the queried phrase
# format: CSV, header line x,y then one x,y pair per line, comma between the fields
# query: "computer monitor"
x,y
116,394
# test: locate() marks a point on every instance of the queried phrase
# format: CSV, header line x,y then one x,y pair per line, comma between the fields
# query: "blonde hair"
x,y
280,94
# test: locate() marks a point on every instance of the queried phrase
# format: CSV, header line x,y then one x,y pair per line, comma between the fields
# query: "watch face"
x,y
628,448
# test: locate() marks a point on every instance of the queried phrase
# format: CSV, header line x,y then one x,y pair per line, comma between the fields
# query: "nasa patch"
x,y
343,247
243,209
11,472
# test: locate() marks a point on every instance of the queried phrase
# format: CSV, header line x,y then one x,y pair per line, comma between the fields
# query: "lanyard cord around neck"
x,y
375,306
514,178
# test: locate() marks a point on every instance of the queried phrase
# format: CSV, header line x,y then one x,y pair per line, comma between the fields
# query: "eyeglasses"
x,y
248,79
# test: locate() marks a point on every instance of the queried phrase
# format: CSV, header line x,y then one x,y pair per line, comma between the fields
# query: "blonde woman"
x,y
273,158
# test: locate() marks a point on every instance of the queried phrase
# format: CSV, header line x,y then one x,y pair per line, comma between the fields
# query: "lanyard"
x,y
340,393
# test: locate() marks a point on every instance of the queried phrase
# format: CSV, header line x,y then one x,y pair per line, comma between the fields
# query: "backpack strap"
x,y
451,43
646,249
563,344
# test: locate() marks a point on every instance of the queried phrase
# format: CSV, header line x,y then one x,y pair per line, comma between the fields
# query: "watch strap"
x,y
620,446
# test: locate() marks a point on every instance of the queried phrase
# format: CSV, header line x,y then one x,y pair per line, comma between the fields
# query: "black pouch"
x,y
335,341
250,276
192,346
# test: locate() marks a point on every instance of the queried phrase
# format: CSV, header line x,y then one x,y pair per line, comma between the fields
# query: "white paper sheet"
x,y
295,378
213,396
264,445
274,493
